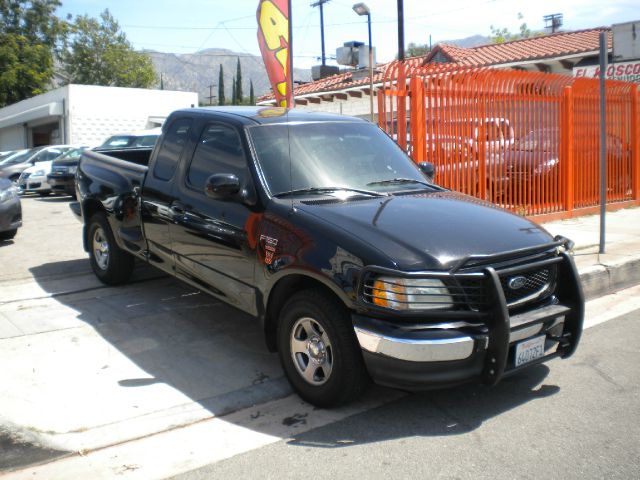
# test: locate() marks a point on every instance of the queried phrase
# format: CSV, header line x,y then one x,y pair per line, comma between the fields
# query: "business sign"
x,y
273,38
626,71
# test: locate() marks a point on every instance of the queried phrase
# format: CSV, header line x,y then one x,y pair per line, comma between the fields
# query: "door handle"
x,y
177,207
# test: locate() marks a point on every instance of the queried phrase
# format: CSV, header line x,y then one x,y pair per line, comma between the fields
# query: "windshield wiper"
x,y
320,190
398,181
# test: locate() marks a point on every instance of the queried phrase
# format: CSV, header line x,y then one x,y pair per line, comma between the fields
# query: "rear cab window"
x,y
171,149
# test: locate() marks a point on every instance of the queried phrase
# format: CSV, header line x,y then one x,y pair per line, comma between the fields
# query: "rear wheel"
x,y
110,263
319,351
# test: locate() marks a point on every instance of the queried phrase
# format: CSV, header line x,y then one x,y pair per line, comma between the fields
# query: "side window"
x,y
171,149
219,151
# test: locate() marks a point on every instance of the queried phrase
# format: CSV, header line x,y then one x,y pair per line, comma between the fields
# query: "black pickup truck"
x,y
354,262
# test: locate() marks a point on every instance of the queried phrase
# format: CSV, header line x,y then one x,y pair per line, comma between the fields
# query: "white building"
x,y
86,115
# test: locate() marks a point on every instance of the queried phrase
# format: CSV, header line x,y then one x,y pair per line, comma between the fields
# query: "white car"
x,y
34,179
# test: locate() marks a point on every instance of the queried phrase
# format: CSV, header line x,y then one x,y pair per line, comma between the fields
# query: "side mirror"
x,y
428,169
222,186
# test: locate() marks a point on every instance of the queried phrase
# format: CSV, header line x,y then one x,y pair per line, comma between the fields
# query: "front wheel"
x,y
8,234
110,263
319,351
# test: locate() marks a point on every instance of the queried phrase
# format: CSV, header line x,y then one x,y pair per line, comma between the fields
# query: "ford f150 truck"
x,y
354,262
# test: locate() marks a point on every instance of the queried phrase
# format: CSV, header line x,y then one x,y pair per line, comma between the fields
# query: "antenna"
x,y
553,21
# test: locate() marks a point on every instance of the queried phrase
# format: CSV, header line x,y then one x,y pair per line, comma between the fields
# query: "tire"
x,y
8,234
315,325
111,264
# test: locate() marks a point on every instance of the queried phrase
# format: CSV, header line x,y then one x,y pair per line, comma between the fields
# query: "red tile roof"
x,y
527,49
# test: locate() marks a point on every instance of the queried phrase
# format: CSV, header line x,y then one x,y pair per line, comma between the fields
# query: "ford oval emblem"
x,y
516,283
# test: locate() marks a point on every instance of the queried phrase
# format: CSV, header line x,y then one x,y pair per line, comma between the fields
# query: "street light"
x,y
362,9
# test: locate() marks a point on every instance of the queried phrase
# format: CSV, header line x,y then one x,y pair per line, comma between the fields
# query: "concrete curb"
x,y
604,278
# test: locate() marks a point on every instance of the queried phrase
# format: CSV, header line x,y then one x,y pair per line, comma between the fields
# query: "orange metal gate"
x,y
526,141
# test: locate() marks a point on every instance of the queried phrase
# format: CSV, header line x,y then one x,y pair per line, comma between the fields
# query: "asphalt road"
x,y
577,418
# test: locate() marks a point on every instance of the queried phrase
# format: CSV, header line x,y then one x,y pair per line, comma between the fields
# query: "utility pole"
x,y
401,30
211,95
320,3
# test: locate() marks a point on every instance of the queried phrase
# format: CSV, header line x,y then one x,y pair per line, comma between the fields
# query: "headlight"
x,y
38,173
546,166
72,170
411,294
8,194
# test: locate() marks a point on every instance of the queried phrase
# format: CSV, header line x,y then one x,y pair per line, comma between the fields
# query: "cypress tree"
x,y
234,97
221,99
238,84
252,97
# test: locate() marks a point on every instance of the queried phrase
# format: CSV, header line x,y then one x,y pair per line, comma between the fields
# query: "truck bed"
x,y
119,170
139,156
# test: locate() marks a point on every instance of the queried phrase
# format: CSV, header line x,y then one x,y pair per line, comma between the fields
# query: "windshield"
x,y
545,139
325,155
16,158
129,141
73,154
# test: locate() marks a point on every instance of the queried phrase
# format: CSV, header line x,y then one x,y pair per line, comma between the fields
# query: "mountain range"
x,y
199,72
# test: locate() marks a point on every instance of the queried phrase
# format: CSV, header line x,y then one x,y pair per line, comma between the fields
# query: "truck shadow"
x,y
454,411
178,336
216,356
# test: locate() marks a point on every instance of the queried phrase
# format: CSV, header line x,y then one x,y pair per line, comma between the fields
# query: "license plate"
x,y
529,350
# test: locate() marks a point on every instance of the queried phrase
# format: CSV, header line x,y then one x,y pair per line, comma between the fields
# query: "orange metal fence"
x,y
527,141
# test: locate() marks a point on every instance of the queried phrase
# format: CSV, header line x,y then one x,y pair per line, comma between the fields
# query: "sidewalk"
x,y
619,266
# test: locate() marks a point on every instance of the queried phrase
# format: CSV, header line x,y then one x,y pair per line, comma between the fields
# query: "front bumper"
x,y
420,356
34,184
62,183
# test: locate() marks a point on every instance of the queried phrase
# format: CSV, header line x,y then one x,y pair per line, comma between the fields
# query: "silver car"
x,y
12,166
10,210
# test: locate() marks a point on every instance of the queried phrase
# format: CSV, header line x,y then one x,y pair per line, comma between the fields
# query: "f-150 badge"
x,y
270,244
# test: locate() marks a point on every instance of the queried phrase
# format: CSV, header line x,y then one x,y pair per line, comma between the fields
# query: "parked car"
x,y
63,172
142,138
535,159
14,165
34,179
8,165
354,262
10,210
6,154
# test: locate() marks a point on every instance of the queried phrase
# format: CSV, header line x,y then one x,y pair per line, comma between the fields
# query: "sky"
x,y
190,26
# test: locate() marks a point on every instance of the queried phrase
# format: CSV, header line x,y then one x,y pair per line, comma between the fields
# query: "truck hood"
x,y
429,230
